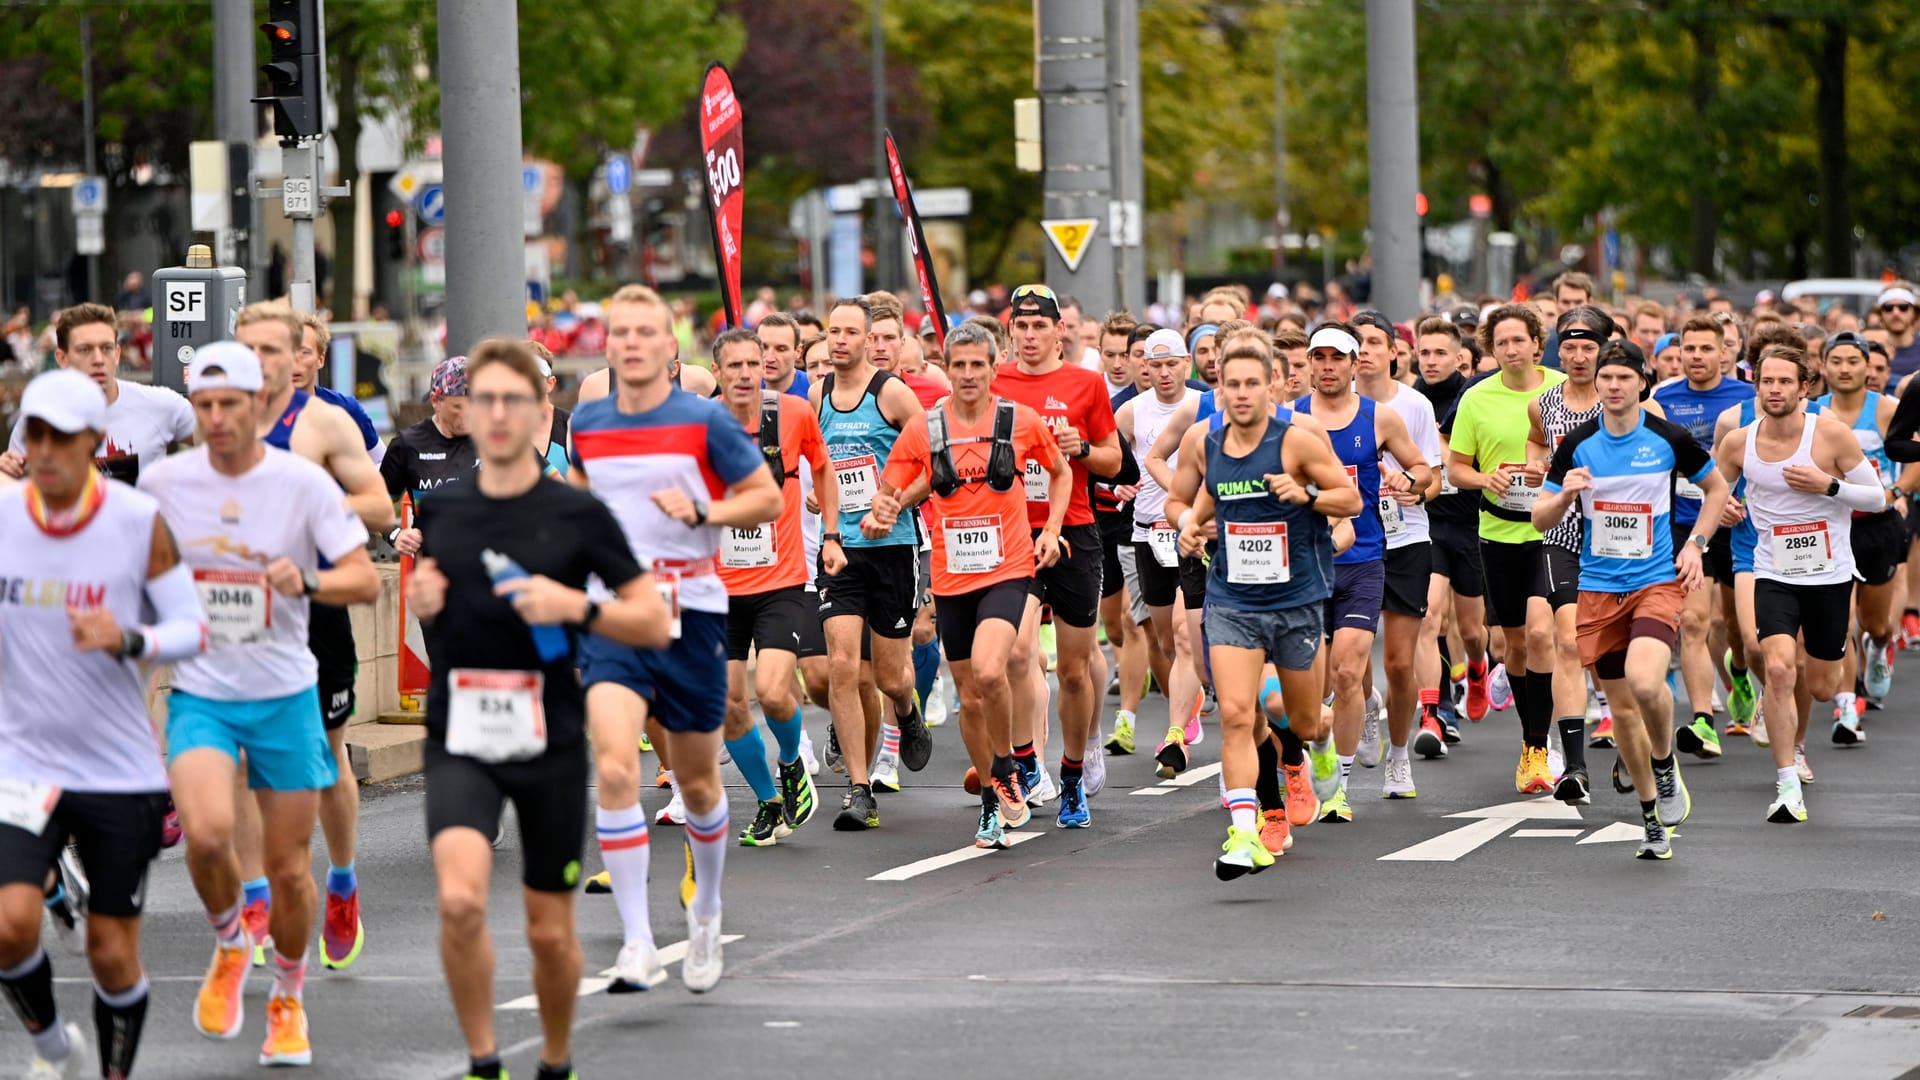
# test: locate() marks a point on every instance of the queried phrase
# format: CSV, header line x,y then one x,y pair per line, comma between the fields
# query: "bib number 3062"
x,y
496,716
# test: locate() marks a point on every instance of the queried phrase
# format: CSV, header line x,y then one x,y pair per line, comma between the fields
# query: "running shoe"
x,y
1757,731
1800,767
1675,803
1040,787
600,884
798,800
701,968
1326,770
1430,741
1276,832
1171,754
1602,738
1014,811
687,884
1735,727
287,1042
1073,805
971,781
662,778
79,1062
69,918
835,760
219,1011
1531,776
1556,757
768,826
1477,694
726,755
1194,733
254,915
1113,684
807,755
1621,782
1399,780
1369,752
916,742
637,969
1698,739
1788,807
937,704
991,834
1450,730
1242,854
1740,697
858,811
170,833
1879,672
646,744
1303,806
1208,704
885,774
1499,691
1846,727
341,935
1910,627
1573,788
674,813
1658,843
1336,808
1095,766
1121,741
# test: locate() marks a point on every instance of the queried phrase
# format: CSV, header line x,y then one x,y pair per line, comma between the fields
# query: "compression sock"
x,y
342,881
707,834
289,976
118,1017
786,735
624,851
750,757
1573,741
29,988
1538,718
1266,782
1292,750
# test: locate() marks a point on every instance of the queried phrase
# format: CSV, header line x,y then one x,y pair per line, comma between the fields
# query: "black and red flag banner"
x,y
724,153
922,258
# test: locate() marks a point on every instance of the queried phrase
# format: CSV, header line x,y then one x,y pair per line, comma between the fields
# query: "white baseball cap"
x,y
1897,295
235,367
1164,343
67,400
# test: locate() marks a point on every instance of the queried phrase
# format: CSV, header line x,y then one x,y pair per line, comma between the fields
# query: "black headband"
x,y
1583,333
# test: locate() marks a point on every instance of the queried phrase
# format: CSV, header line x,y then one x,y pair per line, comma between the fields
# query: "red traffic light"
x,y
1420,203
396,218
280,33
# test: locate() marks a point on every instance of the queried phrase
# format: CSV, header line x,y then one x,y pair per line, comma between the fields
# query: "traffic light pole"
x,y
480,132
234,124
1393,158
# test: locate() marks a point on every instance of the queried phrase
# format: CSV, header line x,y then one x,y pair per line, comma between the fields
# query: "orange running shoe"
x,y
218,1011
971,781
254,915
1303,806
1477,694
1276,835
286,1033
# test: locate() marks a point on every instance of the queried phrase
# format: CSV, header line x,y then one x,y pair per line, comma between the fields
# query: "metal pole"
x,y
1077,183
300,172
1282,212
86,124
1393,158
1129,172
235,123
886,243
480,125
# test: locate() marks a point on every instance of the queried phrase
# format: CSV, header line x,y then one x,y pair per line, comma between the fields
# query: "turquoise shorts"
x,y
284,738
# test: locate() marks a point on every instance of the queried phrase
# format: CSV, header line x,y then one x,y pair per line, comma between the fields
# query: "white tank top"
x,y
229,529
1417,412
1150,416
1802,539
70,718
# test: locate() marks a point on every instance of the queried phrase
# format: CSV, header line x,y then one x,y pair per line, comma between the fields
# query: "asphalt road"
x,y
1113,951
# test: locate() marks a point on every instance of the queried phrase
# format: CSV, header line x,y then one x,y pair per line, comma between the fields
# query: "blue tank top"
x,y
859,441
281,437
1358,448
1866,428
1242,501
1206,408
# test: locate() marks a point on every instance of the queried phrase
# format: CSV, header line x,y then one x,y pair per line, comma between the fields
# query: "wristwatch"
x,y
1697,541
1086,449
1833,489
592,613
700,513
309,582
833,536
1313,495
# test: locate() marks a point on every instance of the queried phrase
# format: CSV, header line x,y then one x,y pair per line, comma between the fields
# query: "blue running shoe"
x,y
1073,805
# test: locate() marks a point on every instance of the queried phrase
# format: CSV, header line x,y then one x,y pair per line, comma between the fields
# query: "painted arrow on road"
x,y
1491,822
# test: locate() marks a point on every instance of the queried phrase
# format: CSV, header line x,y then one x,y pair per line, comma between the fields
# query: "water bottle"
x,y
549,639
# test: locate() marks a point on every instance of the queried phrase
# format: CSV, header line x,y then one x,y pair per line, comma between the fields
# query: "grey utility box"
x,y
196,305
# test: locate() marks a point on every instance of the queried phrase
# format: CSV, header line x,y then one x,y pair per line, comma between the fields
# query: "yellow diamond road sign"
x,y
1070,238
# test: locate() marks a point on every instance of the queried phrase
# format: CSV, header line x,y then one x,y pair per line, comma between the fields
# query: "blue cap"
x,y
1666,341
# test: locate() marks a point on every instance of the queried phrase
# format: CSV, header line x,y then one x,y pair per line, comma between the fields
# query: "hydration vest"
x,y
1000,463
770,435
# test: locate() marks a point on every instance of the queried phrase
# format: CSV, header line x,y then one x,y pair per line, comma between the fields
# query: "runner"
x,y
779,338
78,759
499,590
768,609
1457,595
968,453
308,359
436,451
1488,454
1272,575
254,523
867,590
675,470
1803,564
1622,468
1121,606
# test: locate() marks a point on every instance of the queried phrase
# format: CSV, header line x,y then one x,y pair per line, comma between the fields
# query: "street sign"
x,y
619,174
1123,222
430,203
89,234
296,196
653,178
432,245
184,301
532,185
1070,236
413,176
90,195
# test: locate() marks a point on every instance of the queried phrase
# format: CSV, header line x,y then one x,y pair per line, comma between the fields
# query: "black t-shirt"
x,y
557,433
1461,507
421,459
554,529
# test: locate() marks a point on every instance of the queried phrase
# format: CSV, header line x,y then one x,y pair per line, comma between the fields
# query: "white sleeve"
x,y
1427,437
17,442
335,528
180,419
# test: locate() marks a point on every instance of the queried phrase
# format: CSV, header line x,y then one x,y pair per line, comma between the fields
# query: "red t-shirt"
x,y
750,562
1067,396
929,391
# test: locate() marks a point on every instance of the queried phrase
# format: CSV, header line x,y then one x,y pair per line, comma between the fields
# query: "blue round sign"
x,y
619,175
430,203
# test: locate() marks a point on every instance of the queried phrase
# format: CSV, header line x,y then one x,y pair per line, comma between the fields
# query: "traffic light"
x,y
396,234
293,73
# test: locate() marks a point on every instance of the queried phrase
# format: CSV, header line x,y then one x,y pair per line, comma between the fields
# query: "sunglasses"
x,y
1902,308
1033,290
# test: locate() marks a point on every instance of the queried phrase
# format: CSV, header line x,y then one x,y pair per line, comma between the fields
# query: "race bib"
x,y
1446,484
1256,552
1164,541
1519,496
496,716
859,482
1390,518
27,805
1684,488
669,586
1622,530
747,549
1038,479
973,544
239,607
1802,550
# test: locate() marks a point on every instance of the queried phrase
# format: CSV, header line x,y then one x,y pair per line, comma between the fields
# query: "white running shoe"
x,y
937,703
637,969
726,756
1399,782
78,1063
885,774
1045,790
1556,755
1369,752
675,812
1093,775
1499,689
701,969
807,755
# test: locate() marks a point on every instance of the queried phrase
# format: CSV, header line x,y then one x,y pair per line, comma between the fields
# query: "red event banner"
x,y
922,258
724,152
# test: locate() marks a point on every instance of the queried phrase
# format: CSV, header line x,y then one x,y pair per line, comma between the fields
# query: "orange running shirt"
x,y
774,555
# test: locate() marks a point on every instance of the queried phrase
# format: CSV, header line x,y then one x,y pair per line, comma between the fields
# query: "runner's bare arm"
x,y
1715,493
340,450
1316,464
1394,439
897,403
753,501
1536,436
594,387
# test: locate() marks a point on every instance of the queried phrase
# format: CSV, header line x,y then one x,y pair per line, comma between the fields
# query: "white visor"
x,y
1332,337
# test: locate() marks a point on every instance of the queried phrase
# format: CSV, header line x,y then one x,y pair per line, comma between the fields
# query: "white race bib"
x,y
27,805
1038,481
1802,550
859,482
747,549
1390,518
973,544
1687,489
1256,552
669,586
496,716
1164,541
1621,530
1446,484
239,607
1519,496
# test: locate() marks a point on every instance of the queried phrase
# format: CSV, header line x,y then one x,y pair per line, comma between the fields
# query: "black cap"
x,y
1034,300
1847,337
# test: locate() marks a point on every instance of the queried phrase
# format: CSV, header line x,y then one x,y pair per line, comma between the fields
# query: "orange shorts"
x,y
1609,621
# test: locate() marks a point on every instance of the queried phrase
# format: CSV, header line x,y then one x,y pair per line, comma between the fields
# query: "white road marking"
x,y
1615,833
1192,776
1449,846
1545,807
1154,791
951,858
669,954
1545,833
781,1024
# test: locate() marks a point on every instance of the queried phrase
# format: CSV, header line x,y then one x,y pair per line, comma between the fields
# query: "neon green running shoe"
x,y
1336,809
1326,770
1698,739
1121,741
1741,700
1242,854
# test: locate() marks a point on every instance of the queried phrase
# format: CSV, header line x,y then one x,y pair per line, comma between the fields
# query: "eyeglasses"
x,y
1033,290
490,402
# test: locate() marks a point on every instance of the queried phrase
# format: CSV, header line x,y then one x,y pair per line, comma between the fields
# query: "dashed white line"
x,y
669,954
951,858
1546,833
